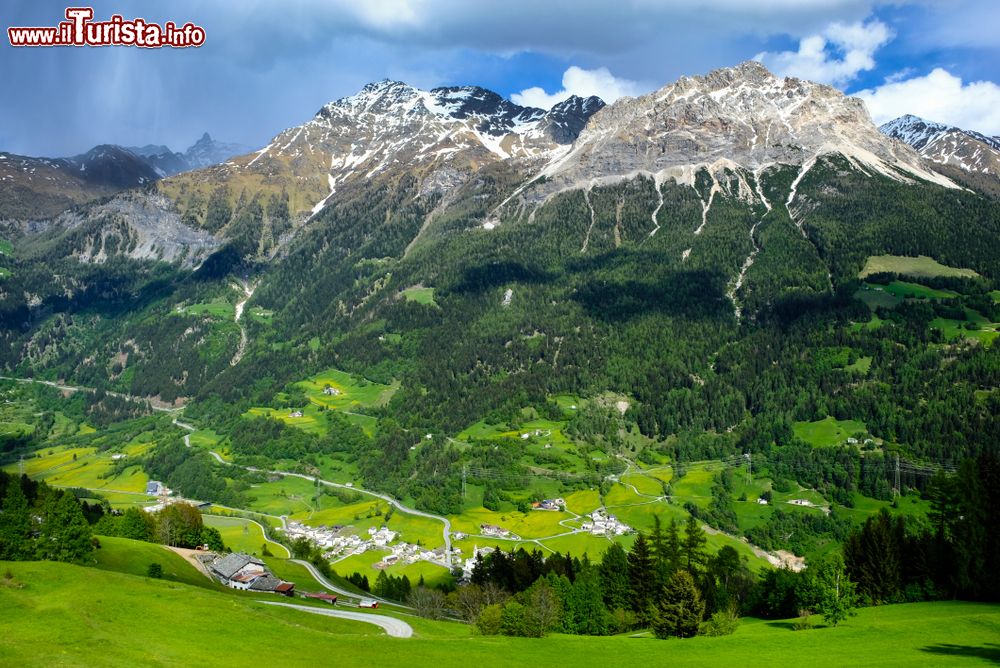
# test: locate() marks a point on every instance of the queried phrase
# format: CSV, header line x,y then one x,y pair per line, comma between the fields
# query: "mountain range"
x,y
34,188
637,247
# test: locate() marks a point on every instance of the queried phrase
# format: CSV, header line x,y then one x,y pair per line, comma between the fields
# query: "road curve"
x,y
340,590
396,628
153,403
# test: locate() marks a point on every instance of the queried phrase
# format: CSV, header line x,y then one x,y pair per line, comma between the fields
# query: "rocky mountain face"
x,y
972,153
442,136
203,153
741,117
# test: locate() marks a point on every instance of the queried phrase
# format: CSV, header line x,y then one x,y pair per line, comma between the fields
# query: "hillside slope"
x,y
72,616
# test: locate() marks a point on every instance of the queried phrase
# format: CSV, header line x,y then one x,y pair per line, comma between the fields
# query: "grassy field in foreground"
x,y
920,266
73,616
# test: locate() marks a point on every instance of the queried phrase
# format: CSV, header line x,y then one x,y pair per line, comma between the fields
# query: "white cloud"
x,y
835,56
940,96
578,81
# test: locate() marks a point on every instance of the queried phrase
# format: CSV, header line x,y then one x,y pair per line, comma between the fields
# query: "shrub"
x,y
722,623
155,570
489,620
804,622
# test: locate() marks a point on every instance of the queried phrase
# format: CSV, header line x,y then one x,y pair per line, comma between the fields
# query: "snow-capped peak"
x,y
947,145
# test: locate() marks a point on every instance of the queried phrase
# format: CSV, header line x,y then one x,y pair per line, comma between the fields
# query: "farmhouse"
x,y
241,571
493,530
295,414
549,504
154,487
322,596
331,391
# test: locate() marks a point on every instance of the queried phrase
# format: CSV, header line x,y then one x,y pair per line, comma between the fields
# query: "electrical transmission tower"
x,y
895,488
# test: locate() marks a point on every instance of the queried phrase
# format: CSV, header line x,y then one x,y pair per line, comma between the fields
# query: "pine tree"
x,y
641,577
615,578
381,585
15,525
585,606
681,608
673,546
693,548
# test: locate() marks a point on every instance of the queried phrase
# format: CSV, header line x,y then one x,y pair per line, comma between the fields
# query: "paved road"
x,y
334,588
153,403
396,628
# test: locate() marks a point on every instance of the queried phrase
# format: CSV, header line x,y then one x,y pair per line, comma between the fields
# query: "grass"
x,y
122,555
906,290
74,616
861,366
956,329
920,267
6,248
583,502
353,393
4,272
420,294
312,421
85,467
217,309
827,432
242,535
875,296
364,564
534,524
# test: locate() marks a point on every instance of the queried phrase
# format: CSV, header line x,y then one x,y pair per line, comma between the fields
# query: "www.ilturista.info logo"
x,y
81,30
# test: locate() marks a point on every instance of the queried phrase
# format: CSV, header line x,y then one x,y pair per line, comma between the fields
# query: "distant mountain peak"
x,y
967,150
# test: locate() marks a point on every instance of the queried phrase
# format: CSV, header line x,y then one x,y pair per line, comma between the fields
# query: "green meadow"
x,y
64,615
420,294
919,267
217,309
829,431
243,535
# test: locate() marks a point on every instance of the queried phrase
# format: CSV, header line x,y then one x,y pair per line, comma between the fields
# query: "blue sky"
x,y
267,65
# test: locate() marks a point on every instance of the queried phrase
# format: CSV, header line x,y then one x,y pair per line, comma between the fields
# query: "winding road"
x,y
396,628
155,404
446,531
340,590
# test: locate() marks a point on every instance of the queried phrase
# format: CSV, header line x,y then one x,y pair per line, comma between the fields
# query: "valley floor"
x,y
64,615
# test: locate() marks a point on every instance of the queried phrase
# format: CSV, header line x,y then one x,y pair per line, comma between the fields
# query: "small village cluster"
x,y
339,541
601,523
